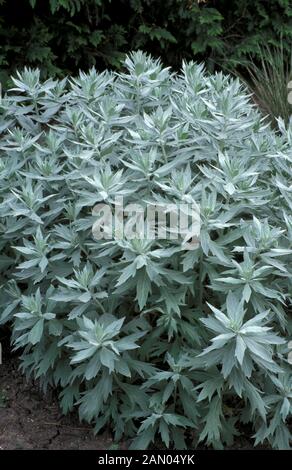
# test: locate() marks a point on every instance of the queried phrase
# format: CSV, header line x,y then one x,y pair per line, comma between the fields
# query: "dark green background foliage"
x,y
65,35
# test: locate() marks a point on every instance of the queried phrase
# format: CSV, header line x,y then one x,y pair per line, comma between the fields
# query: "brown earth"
x,y
30,420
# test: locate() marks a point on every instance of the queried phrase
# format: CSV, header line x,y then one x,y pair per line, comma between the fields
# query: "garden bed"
x,y
30,420
161,341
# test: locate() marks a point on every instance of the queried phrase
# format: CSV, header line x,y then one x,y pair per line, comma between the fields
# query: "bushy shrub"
x,y
143,335
61,36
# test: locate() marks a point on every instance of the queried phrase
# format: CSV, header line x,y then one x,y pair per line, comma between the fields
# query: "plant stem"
x,y
201,287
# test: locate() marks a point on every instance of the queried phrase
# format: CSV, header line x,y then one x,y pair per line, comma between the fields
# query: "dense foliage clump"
x,y
61,36
147,337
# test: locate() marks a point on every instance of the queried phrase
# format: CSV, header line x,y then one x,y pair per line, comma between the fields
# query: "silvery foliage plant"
x,y
144,336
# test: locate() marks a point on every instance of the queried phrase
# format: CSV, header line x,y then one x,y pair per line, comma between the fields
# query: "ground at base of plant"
x,y
30,420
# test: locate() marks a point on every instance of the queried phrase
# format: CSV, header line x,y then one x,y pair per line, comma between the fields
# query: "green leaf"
x,y
36,332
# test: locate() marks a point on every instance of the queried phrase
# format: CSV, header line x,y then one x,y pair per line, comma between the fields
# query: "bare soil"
x,y
30,420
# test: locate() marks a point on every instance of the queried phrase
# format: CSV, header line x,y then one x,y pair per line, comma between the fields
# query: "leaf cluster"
x,y
143,335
